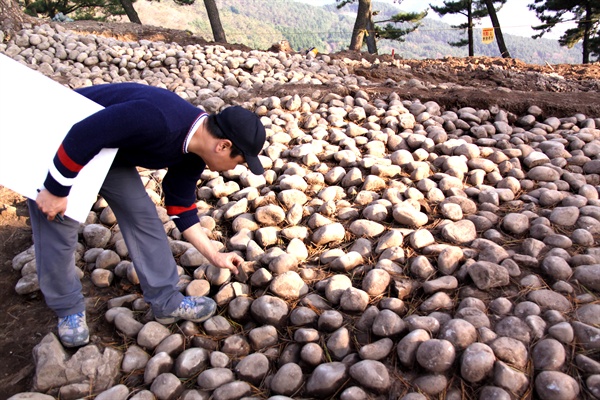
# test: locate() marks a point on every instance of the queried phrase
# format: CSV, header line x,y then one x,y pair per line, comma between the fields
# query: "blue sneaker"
x,y
73,330
192,308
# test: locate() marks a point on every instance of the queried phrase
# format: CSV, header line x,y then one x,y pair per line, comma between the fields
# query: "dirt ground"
x,y
483,83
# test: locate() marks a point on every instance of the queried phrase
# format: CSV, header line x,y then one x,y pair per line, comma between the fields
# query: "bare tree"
x,y
215,21
497,31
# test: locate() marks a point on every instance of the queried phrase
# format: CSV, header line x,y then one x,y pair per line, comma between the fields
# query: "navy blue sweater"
x,y
149,126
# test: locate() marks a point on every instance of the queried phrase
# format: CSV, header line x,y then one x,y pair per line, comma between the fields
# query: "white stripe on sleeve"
x,y
60,178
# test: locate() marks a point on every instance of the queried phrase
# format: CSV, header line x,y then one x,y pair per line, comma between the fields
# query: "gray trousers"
x,y
144,236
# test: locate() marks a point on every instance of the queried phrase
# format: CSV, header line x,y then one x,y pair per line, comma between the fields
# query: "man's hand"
x,y
195,235
231,261
50,204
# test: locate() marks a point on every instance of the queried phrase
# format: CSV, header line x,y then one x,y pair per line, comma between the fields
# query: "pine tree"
x,y
82,9
585,12
473,10
366,28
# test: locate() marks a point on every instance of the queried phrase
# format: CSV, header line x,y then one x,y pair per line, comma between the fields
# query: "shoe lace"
x,y
71,321
187,303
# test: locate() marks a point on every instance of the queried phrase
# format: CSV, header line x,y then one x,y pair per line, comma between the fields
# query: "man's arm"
x,y
196,236
129,124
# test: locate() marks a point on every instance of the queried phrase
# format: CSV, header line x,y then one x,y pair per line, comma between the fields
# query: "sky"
x,y
515,18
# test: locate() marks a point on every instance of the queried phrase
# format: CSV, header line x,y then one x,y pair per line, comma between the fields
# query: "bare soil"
x,y
26,319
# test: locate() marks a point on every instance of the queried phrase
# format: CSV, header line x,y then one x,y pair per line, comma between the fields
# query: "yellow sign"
x,y
487,35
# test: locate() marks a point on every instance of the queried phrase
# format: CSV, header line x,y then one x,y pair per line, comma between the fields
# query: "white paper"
x,y
35,115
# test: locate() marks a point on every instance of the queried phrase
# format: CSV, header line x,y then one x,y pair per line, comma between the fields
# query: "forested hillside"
x,y
260,23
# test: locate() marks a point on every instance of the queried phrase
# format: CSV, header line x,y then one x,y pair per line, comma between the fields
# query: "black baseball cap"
x,y
246,132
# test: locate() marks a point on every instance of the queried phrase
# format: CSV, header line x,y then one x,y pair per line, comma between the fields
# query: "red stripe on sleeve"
x,y
176,210
65,160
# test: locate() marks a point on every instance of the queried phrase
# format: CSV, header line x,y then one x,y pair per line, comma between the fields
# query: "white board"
x,y
35,115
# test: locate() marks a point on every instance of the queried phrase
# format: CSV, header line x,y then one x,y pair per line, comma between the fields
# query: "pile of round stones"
x,y
394,249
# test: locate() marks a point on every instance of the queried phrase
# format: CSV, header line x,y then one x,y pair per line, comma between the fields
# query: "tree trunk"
x,y
12,17
470,28
215,21
360,25
371,39
130,11
586,33
497,31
